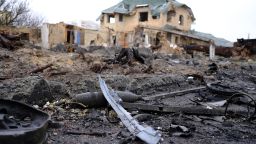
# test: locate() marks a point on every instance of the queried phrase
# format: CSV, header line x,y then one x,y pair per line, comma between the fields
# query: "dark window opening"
x,y
176,40
24,36
111,19
169,37
114,40
143,16
170,14
181,20
169,17
121,18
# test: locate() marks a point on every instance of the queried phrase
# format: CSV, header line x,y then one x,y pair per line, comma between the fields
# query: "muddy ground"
x,y
75,74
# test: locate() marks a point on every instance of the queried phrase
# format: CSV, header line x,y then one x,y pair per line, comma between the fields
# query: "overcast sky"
x,y
229,19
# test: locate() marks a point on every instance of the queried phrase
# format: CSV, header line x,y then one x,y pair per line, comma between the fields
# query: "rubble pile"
x,y
181,99
11,42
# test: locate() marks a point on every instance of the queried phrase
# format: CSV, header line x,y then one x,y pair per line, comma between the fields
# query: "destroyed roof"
x,y
193,34
198,35
218,41
172,29
156,6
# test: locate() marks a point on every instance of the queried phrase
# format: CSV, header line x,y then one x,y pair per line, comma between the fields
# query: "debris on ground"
x,y
187,100
20,123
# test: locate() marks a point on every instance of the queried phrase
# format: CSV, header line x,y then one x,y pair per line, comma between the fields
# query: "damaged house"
x,y
150,23
62,33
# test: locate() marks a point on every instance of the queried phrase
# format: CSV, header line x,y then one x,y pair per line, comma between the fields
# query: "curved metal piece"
x,y
250,104
147,134
220,89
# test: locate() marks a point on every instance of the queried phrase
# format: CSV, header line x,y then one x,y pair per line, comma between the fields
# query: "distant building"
x,y
150,23
61,33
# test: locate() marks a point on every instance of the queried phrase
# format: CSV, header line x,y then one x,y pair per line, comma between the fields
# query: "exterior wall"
x,y
175,19
131,21
90,35
57,34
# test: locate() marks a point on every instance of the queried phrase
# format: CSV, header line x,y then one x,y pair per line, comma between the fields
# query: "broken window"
x,y
143,16
24,36
121,18
111,19
181,20
170,14
176,40
169,17
114,40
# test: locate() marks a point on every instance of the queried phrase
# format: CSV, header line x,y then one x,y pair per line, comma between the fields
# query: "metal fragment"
x,y
147,133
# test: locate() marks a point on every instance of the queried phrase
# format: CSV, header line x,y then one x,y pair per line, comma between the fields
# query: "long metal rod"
x,y
176,93
147,134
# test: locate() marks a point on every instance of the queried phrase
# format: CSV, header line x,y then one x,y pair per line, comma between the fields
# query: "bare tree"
x,y
31,19
17,12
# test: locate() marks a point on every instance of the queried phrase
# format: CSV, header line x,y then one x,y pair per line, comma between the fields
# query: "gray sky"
x,y
229,19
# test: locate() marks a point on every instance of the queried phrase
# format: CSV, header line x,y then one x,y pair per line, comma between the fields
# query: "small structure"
x,y
53,34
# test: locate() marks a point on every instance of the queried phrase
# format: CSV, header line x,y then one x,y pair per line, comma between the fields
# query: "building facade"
x,y
149,23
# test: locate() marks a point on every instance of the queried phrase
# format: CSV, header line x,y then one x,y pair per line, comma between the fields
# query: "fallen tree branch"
x,y
171,94
40,69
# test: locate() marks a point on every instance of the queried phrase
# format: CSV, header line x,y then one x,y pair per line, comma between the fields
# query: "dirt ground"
x,y
76,124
